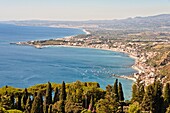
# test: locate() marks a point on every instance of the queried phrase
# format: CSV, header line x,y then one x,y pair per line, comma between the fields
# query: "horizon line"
x,y
84,19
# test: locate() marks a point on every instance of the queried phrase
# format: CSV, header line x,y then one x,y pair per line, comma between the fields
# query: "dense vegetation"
x,y
85,97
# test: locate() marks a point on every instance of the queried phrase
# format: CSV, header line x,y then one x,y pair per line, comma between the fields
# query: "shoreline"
x,y
129,77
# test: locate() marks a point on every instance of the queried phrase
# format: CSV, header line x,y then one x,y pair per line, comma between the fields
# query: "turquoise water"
x,y
23,66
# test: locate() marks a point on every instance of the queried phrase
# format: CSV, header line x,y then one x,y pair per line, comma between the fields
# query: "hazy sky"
x,y
80,9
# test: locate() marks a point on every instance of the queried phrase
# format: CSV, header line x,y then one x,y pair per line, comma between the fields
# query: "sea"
x,y
24,66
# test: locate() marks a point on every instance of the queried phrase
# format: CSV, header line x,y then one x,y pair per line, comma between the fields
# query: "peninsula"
x,y
147,44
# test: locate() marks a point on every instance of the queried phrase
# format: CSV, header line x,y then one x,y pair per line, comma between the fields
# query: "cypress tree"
x,y
85,101
19,102
115,90
62,107
34,95
37,106
25,97
148,100
48,97
41,101
138,91
50,109
120,92
56,95
158,100
63,92
28,105
12,99
49,94
168,109
91,105
134,93
166,94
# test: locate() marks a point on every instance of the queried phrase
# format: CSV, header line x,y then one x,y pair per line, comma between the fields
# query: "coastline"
x,y
134,66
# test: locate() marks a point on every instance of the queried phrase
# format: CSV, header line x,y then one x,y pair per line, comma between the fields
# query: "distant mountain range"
x,y
156,22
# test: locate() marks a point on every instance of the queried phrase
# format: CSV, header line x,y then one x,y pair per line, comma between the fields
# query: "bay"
x,y
24,66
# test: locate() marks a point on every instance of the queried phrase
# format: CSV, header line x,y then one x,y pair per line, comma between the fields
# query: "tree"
x,y
37,106
49,94
12,99
107,106
120,92
24,97
50,109
62,107
148,100
138,91
63,92
115,90
168,109
56,95
48,97
158,100
19,102
28,105
166,94
134,108
91,105
71,107
134,93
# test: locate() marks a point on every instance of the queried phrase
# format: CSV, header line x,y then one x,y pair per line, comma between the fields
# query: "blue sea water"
x,y
23,66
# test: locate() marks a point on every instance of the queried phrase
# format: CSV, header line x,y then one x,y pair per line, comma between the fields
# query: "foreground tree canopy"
x,y
84,97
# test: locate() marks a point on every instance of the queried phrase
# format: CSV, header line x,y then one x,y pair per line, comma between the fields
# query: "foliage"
x,y
87,98
138,91
134,108
37,106
120,92
2,110
115,91
148,100
71,107
63,92
14,111
106,106
168,109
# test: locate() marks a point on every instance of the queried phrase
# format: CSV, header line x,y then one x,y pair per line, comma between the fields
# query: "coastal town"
x,y
141,50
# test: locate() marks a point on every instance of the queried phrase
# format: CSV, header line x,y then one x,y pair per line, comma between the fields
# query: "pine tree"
x,y
63,92
120,92
56,95
37,106
115,90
